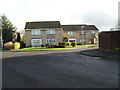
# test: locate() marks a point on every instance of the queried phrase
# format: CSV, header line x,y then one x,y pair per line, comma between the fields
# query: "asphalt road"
x,y
57,69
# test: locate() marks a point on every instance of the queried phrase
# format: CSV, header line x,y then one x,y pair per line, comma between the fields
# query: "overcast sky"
x,y
102,13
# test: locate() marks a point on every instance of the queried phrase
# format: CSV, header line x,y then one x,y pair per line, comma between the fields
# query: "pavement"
x,y
95,52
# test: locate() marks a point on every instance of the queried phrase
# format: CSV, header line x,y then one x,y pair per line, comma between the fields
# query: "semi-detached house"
x,y
81,33
42,32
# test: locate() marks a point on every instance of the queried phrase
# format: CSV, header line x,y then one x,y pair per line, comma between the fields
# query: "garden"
x,y
18,46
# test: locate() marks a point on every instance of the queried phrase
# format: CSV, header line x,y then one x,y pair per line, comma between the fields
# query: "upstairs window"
x,y
35,32
82,33
71,33
50,31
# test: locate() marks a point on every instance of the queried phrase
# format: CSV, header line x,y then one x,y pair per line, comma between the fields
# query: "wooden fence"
x,y
109,40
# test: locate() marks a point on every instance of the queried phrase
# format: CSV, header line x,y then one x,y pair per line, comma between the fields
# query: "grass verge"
x,y
44,48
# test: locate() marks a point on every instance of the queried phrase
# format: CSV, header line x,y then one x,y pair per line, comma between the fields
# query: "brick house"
x,y
37,33
81,33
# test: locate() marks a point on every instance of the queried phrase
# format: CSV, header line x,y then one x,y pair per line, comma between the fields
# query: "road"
x,y
58,69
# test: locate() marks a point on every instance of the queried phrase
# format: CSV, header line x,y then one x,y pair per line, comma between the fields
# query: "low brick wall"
x,y
109,40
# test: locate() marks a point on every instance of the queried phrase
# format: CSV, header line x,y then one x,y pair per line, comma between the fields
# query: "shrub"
x,y
58,46
42,45
73,44
22,44
68,43
65,39
16,45
62,44
49,45
79,43
8,46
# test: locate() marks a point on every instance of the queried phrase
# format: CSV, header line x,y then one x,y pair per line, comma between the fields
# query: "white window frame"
x,y
50,31
35,32
34,42
49,40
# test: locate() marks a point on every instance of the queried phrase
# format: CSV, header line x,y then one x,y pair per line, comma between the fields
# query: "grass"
x,y
86,45
44,48
40,49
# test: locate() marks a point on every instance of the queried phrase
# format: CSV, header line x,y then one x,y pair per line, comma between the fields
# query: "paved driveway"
x,y
58,69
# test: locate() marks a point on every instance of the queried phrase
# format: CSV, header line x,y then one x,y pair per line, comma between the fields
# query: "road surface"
x,y
58,69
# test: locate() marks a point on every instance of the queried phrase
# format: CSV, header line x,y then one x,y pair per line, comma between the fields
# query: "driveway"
x,y
58,69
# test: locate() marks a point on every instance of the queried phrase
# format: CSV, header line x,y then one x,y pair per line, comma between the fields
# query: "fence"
x,y
109,40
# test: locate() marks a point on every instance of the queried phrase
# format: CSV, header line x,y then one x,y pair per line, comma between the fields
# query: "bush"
x,y
62,44
79,43
49,45
58,46
16,45
8,45
73,44
22,44
68,43
42,45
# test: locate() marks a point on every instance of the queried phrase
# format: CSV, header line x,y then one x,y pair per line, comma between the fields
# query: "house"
x,y
81,33
42,32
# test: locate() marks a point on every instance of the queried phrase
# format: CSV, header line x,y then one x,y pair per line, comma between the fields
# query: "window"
x,y
82,33
35,32
36,41
50,40
50,31
71,33
82,40
93,32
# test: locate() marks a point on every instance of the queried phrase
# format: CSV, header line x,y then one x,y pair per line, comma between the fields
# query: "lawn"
x,y
41,48
86,45
44,48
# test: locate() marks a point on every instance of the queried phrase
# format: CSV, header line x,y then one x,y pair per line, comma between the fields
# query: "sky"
x,y
101,13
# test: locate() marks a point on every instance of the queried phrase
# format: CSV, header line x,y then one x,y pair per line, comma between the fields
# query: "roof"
x,y
78,27
42,24
93,27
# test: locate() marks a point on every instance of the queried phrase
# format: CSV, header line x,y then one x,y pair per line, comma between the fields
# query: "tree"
x,y
18,37
65,39
7,29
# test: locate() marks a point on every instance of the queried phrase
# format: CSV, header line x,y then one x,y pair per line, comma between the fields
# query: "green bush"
x,y
68,43
79,43
46,45
42,45
22,44
49,45
16,45
8,45
62,44
73,44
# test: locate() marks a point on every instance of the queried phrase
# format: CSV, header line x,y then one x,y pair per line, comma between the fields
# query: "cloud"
x,y
102,19
66,11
